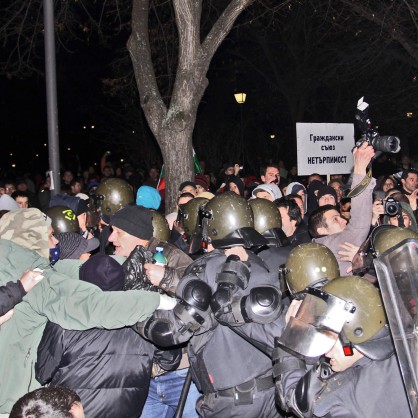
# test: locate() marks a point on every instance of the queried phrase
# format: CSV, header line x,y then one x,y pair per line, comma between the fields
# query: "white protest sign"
x,y
324,148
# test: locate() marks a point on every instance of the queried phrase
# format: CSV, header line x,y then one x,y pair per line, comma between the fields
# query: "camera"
x,y
391,206
379,143
276,179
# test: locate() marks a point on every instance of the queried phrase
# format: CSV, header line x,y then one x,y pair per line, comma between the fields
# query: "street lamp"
x,y
240,98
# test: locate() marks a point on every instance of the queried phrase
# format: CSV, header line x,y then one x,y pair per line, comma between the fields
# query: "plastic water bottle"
x,y
159,257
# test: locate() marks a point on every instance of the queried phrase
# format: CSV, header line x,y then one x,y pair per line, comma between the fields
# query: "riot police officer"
x,y
229,278
268,222
359,376
112,195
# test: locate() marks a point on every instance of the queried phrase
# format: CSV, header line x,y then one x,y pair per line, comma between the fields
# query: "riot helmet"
x,y
268,222
365,326
348,308
266,215
385,237
189,214
113,194
160,226
230,222
63,219
310,264
368,316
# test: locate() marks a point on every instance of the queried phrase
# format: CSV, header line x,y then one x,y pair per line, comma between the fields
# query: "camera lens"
x,y
391,207
386,144
392,210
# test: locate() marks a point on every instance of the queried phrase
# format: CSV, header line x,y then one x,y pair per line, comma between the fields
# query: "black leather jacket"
x,y
177,261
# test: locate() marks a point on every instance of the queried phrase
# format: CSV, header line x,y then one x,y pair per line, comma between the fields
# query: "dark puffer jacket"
x,y
110,370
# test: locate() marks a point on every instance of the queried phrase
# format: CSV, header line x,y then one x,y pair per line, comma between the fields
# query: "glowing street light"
x,y
240,97
272,136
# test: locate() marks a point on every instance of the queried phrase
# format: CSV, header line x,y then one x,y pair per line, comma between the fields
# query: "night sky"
x,y
82,103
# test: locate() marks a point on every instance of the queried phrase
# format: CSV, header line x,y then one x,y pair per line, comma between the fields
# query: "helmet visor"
x,y
314,329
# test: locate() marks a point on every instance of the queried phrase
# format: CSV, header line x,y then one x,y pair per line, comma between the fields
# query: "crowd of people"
x,y
263,301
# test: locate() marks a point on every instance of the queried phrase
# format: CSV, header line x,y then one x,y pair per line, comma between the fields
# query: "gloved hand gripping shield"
x,y
317,324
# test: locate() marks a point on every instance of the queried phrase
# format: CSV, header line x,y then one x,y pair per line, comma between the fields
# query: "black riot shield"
x,y
397,273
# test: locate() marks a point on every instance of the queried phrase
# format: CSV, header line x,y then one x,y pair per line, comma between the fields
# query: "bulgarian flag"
x,y
197,170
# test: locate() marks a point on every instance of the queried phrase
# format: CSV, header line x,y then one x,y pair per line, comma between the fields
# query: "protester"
x,y
26,239
74,246
267,191
148,197
327,226
133,237
114,381
57,402
229,303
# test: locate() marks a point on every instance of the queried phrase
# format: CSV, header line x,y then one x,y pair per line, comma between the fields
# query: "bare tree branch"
x,y
222,27
390,20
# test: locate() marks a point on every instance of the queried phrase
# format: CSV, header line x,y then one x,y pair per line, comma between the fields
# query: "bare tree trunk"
x,y
173,126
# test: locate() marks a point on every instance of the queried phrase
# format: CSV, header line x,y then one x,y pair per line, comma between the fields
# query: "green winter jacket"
x,y
62,299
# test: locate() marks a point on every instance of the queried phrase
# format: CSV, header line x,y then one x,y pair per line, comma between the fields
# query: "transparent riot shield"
x,y
397,273
319,320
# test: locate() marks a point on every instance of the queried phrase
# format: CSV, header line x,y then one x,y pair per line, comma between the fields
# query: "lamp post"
x,y
240,98
51,97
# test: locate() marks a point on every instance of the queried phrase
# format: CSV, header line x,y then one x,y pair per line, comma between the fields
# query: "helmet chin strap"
x,y
401,221
347,345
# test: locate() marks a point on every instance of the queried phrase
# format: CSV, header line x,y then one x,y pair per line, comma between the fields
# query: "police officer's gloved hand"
x,y
309,388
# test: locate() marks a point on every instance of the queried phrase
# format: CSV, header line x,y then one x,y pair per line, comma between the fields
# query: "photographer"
x,y
231,172
328,227
407,215
390,206
385,212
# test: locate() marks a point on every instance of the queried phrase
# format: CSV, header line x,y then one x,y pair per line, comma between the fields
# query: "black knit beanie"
x,y
135,220
326,190
103,271
73,245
